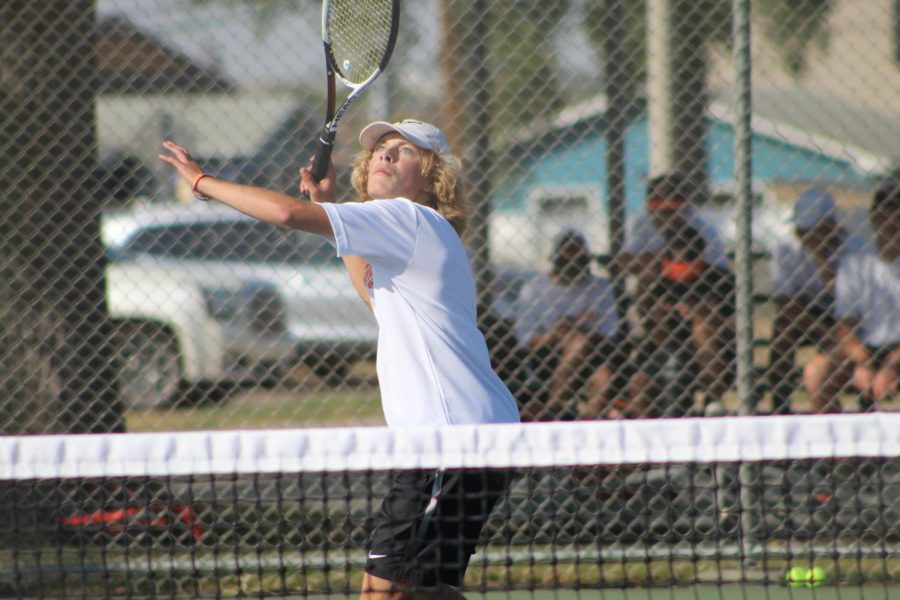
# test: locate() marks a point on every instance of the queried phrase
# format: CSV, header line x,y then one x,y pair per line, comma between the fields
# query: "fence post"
x,y
743,178
743,172
617,100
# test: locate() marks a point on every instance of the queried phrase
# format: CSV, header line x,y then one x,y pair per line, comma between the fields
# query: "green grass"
x,y
267,409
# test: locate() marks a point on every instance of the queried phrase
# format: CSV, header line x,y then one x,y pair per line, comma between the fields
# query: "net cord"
x,y
701,440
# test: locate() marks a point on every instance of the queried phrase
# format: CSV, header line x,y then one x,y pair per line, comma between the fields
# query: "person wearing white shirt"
x,y
803,272
402,247
567,322
868,304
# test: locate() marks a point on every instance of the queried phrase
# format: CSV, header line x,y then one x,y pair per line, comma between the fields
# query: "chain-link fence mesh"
x,y
599,142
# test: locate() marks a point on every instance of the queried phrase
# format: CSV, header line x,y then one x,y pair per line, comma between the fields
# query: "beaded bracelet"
x,y
198,195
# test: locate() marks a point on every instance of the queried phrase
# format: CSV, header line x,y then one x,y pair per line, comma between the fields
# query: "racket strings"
x,y
359,33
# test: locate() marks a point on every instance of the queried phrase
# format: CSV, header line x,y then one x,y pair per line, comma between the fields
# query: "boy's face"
x,y
395,170
818,238
667,215
571,260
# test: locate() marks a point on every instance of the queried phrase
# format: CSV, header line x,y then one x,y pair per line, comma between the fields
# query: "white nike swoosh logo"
x,y
377,555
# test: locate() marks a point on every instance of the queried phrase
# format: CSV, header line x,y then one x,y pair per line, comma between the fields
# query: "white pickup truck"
x,y
205,297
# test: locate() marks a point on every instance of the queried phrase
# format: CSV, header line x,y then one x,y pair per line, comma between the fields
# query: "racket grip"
x,y
323,157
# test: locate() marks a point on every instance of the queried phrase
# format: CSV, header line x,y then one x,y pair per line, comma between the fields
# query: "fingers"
x,y
317,191
180,158
305,179
180,153
175,148
308,186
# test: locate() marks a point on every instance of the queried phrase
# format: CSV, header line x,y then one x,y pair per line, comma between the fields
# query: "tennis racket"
x,y
359,37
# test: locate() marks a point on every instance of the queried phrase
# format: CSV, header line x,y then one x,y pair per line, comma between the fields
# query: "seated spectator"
x,y
567,323
667,212
667,209
803,271
688,294
867,305
496,322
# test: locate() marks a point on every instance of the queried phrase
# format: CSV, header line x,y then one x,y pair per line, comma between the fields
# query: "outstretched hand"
x,y
181,159
317,191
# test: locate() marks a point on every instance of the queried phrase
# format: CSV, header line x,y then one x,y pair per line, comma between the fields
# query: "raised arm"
x,y
259,203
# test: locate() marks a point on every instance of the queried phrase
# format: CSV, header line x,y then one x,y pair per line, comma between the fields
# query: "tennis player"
x,y
402,247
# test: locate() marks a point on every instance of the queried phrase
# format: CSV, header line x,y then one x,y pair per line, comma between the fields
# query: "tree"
x,y
792,26
524,86
54,327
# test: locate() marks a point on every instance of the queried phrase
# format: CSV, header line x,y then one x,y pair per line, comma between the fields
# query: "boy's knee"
x,y
884,385
815,367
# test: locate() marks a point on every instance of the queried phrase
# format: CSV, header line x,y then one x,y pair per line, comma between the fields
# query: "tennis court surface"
x,y
748,592
689,508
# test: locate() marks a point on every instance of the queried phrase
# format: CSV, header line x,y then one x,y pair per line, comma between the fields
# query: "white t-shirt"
x,y
543,302
794,271
433,364
868,291
644,236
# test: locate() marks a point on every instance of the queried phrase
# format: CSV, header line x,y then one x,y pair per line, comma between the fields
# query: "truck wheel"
x,y
331,374
149,367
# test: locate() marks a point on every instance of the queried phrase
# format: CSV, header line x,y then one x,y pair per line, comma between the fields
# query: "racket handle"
x,y
323,156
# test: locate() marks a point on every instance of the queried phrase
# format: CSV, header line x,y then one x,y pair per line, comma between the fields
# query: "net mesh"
x,y
108,324
757,507
359,34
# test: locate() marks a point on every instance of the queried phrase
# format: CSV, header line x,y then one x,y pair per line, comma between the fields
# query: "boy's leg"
x,y
565,381
825,375
396,541
886,381
375,588
785,338
796,323
713,338
464,505
599,396
426,532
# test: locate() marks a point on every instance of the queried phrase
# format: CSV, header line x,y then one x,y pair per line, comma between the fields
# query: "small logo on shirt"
x,y
374,556
368,279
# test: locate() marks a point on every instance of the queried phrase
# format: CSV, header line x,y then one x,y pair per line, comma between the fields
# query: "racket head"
x,y
359,37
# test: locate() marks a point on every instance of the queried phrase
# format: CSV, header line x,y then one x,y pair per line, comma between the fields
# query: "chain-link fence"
x,y
600,139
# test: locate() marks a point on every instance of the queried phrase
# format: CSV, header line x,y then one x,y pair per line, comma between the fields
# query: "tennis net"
x,y
759,506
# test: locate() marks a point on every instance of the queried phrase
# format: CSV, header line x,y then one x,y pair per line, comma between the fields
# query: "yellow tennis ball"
x,y
815,576
796,577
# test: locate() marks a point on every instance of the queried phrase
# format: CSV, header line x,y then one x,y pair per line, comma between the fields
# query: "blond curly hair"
x,y
445,174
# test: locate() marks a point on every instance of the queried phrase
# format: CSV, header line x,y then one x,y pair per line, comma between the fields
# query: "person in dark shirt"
x,y
690,337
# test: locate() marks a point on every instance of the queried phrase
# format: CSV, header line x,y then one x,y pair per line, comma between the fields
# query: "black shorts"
x,y
429,543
